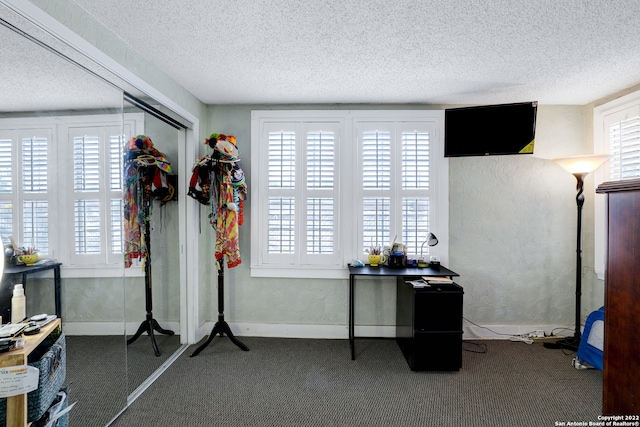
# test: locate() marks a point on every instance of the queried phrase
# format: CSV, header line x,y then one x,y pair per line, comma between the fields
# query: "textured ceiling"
x,y
33,78
373,51
348,51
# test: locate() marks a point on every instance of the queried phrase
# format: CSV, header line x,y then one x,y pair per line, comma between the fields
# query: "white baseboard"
x,y
110,328
342,331
310,331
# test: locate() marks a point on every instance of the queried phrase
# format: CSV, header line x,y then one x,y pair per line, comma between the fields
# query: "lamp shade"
x,y
582,164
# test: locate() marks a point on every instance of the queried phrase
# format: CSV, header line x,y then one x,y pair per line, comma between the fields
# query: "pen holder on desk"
x,y
375,260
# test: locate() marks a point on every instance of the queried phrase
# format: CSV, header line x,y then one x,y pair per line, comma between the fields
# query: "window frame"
x,y
602,115
349,197
60,192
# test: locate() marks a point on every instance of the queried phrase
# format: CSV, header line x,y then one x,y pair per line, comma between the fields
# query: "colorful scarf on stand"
x,y
218,180
144,178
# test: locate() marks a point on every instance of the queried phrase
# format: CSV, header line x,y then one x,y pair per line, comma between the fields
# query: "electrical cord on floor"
x,y
516,338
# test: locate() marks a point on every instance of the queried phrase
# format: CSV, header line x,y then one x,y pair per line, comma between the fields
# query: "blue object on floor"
x,y
591,345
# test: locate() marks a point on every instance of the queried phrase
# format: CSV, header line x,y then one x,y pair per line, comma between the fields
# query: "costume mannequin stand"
x,y
218,181
221,327
149,324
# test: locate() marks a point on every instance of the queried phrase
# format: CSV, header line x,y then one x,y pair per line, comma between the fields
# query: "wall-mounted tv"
x,y
490,130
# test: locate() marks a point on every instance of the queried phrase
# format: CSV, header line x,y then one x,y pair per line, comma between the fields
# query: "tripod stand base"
x,y
221,327
149,326
569,343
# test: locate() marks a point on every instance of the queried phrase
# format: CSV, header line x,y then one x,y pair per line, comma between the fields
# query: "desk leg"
x,y
56,284
352,316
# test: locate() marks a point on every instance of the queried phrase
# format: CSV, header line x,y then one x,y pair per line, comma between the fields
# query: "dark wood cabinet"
x,y
429,326
621,367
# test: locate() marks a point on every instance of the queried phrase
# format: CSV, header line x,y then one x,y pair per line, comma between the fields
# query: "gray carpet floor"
x,y
305,382
101,378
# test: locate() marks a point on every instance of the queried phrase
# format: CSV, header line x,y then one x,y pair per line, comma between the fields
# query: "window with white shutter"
x,y
35,181
616,132
320,191
330,184
86,187
624,147
395,183
301,189
61,188
415,179
97,193
25,184
6,188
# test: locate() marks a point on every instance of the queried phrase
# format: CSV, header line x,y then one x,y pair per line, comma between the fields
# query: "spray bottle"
x,y
18,304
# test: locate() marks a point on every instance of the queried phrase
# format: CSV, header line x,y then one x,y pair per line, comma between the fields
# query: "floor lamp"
x,y
579,167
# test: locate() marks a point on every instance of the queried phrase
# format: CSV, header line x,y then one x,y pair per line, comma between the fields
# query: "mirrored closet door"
x,y
79,119
153,283
61,130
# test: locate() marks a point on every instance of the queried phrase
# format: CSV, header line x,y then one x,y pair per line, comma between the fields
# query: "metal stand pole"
x,y
221,327
150,324
574,342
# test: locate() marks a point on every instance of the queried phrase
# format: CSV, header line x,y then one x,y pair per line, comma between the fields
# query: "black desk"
x,y
384,271
22,271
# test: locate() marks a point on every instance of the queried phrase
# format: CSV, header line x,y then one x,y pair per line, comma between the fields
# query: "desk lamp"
x,y
579,167
432,240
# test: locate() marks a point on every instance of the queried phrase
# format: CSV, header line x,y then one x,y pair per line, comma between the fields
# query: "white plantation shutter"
x,y
301,183
282,222
415,171
34,165
35,224
624,146
115,161
114,228
330,184
24,185
396,169
6,220
116,217
321,160
87,226
415,160
320,192
6,188
6,166
320,225
98,155
376,175
35,206
116,231
86,186
72,211
616,132
86,163
376,222
415,224
376,160
282,177
97,189
282,160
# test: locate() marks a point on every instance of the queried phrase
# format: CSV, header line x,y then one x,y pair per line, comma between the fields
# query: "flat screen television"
x,y
490,130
